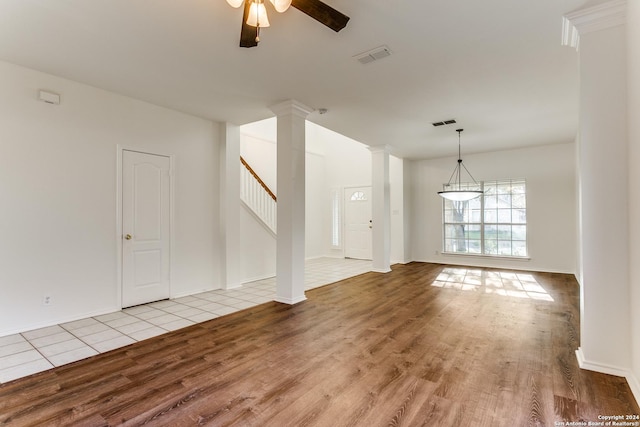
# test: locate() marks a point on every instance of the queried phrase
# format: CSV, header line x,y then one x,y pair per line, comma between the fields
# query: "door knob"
x,y
127,236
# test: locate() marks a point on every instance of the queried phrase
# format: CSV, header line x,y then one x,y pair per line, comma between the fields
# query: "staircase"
x,y
256,196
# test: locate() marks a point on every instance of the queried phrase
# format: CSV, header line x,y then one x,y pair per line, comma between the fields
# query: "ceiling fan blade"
x,y
322,13
248,33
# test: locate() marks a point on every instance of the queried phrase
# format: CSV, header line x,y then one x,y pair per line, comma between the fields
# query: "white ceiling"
x,y
496,66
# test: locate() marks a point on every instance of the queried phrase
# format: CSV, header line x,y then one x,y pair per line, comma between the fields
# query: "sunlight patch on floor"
x,y
508,284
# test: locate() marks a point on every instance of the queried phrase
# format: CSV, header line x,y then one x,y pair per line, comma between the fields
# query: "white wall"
x,y
633,93
551,205
316,209
58,196
347,163
258,248
260,153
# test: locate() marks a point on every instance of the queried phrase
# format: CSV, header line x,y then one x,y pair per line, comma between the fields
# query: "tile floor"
x,y
34,351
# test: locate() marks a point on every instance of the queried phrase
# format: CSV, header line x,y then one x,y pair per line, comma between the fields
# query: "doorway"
x,y
145,233
357,223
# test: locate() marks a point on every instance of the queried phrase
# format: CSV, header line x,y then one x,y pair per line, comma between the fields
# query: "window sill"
x,y
513,258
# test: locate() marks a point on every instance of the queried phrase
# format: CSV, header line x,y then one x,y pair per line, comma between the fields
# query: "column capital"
x,y
380,149
593,18
292,107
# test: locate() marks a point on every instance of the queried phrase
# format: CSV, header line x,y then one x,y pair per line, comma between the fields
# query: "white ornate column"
x,y
290,250
381,209
230,205
600,35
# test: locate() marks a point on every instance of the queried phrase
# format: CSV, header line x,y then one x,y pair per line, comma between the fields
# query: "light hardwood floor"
x,y
426,344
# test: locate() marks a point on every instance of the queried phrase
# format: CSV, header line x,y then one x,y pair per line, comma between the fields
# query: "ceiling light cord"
x,y
258,23
459,159
462,164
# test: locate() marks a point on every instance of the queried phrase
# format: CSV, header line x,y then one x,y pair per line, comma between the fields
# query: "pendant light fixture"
x,y
454,191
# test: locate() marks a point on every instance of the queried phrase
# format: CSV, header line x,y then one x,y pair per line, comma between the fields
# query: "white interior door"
x,y
145,227
357,227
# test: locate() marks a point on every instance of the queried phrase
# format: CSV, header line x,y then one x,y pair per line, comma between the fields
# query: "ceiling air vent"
x,y
373,55
444,122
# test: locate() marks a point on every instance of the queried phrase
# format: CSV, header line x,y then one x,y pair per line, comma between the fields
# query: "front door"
x,y
145,227
357,221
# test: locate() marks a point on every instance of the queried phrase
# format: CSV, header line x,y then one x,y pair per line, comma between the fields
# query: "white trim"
x,y
497,267
591,19
290,301
257,278
598,367
59,321
634,385
633,382
512,258
570,36
118,230
291,107
381,149
193,292
381,270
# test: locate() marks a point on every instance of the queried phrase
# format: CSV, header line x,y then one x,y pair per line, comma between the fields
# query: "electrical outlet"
x,y
46,300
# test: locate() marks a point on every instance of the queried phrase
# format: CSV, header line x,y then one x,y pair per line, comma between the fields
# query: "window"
x,y
358,196
492,224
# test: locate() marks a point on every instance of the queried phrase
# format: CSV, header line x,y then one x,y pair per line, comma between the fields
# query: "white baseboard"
x,y
599,367
233,286
256,278
58,321
403,262
381,270
290,301
192,292
632,380
634,385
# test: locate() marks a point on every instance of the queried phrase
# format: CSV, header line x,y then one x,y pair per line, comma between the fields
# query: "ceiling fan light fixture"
x,y
280,5
235,3
254,16
258,15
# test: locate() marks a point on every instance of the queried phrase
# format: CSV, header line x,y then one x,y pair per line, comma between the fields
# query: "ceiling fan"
x,y
255,16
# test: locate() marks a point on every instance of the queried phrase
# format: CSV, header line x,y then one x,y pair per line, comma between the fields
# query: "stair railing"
x,y
257,196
